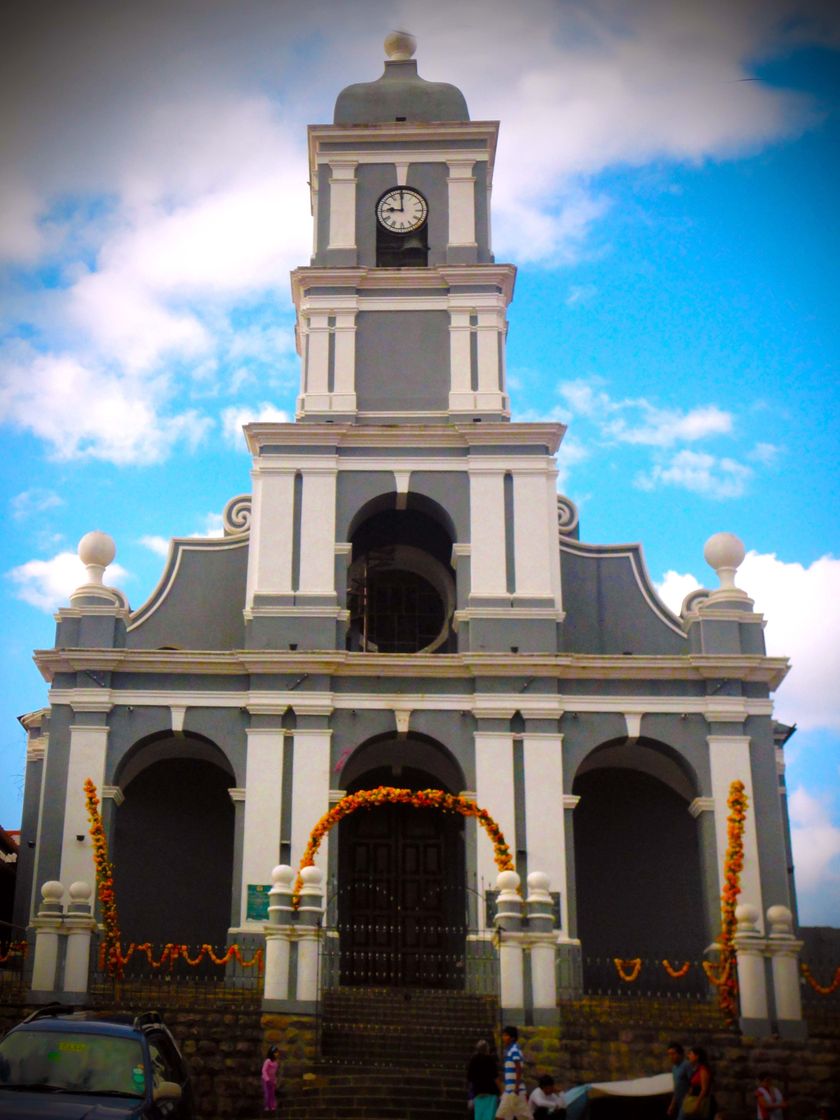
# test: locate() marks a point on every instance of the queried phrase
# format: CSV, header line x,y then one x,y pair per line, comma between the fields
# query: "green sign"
x,y
258,901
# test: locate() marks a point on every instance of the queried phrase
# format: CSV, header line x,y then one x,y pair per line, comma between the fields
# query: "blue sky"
x,y
666,183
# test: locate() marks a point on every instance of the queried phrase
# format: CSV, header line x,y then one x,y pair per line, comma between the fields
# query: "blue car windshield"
x,y
70,1061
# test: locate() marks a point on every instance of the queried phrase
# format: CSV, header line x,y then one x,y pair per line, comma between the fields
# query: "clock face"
x,y
402,210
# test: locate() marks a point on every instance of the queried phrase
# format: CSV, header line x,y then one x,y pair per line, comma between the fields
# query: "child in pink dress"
x,y
269,1079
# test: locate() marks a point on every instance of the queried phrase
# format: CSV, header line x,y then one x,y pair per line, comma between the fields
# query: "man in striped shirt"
x,y
514,1102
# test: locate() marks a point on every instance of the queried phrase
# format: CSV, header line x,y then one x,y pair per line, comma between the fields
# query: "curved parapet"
x,y
611,603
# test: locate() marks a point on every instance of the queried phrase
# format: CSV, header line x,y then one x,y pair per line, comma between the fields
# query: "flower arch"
x,y
420,799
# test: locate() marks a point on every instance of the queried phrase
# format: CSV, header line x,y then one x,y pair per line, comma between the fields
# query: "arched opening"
x,y
173,844
401,895
638,873
401,584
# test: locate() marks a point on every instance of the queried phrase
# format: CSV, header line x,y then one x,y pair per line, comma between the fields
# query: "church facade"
x,y
404,600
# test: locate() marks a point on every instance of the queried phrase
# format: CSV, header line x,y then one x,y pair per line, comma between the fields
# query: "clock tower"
x,y
414,504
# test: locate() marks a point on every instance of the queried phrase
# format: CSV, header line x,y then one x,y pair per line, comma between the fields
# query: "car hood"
x,y
57,1106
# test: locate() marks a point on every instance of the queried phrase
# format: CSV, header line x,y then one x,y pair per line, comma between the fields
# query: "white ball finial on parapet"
x,y
400,46
96,551
725,553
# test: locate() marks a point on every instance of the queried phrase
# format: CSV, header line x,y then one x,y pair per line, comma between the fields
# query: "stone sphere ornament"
x,y
400,46
725,553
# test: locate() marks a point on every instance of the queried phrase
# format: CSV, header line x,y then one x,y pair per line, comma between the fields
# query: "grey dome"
x,y
400,94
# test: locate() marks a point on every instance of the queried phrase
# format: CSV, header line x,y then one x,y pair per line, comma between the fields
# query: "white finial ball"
x,y
52,891
725,553
97,549
538,881
400,46
311,876
80,891
780,919
282,875
507,881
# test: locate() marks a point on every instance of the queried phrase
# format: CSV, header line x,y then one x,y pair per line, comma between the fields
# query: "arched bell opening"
x,y
172,845
638,870
401,585
402,881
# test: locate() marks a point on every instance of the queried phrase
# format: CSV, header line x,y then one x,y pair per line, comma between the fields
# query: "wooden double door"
x,y
401,905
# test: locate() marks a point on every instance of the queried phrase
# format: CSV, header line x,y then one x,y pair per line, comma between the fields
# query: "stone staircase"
x,y
392,1054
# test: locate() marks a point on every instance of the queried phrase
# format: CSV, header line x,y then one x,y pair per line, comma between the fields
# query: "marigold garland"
x,y
676,973
724,976
104,872
172,952
628,974
821,989
390,795
13,949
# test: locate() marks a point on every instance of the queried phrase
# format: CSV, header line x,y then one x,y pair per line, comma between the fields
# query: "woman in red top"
x,y
697,1102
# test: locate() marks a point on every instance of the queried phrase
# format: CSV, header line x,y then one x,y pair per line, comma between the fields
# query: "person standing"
x,y
483,1075
697,1103
681,1073
770,1103
514,1102
269,1079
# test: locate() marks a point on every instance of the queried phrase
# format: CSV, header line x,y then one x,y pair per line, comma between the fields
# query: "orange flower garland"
x,y
628,974
726,979
104,882
172,952
13,949
821,989
390,795
676,973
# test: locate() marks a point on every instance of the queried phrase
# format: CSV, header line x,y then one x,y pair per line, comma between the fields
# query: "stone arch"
x,y
401,587
400,902
172,841
639,879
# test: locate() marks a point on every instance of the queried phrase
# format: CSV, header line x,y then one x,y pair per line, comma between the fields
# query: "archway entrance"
x,y
401,910
639,880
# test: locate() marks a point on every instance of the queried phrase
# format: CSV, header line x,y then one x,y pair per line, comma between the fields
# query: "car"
x,y
92,1065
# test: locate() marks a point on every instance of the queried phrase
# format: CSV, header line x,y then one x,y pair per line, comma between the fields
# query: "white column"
x,y
490,322
310,913
460,395
278,934
752,981
344,392
79,925
317,530
487,533
461,203
493,786
535,541
270,552
784,952
542,939
88,746
545,812
310,789
343,205
729,758
318,360
511,952
47,926
263,806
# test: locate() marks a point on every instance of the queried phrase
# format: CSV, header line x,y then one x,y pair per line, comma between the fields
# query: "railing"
x,y
645,978
13,954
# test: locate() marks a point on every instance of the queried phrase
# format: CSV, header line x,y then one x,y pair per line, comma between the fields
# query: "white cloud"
x,y
801,607
699,472
234,419
816,855
213,526
30,503
662,427
47,584
84,412
581,294
158,545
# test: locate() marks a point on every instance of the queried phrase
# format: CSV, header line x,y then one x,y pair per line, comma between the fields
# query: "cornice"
x,y
459,435
398,132
409,280
564,666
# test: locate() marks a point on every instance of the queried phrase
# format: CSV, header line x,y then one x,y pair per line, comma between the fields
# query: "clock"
x,y
402,210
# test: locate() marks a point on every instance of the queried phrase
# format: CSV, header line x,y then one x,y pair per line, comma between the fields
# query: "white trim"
x,y
177,547
701,805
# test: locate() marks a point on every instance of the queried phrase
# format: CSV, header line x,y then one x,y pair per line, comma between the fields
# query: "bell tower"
x,y
403,512
401,315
